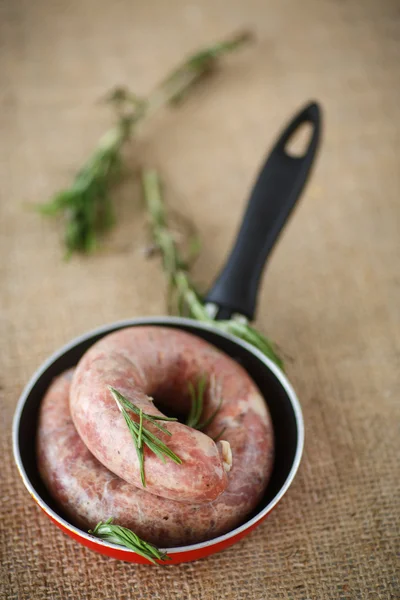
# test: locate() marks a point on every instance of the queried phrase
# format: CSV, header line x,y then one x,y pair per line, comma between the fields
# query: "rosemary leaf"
x,y
140,455
191,416
140,429
211,418
127,538
134,431
219,435
197,400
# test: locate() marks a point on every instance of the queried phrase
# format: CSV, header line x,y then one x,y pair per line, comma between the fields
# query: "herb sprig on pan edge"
x,y
180,286
141,435
86,204
125,537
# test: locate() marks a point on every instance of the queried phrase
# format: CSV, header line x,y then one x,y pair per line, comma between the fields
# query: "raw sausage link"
x,y
88,492
146,362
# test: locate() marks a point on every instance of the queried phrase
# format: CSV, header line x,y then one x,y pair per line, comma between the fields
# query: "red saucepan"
x,y
276,191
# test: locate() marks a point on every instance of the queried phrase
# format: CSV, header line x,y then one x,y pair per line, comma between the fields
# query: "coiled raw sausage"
x,y
90,492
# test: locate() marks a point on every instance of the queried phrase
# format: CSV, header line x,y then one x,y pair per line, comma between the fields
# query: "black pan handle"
x,y
278,187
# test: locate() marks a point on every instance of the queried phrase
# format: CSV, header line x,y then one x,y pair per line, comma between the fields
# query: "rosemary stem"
x,y
196,308
168,248
178,277
112,139
174,86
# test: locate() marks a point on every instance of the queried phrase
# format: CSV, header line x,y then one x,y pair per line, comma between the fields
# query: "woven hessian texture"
x,y
330,297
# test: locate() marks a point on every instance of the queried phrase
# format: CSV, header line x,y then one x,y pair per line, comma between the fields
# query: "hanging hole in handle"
x,y
299,142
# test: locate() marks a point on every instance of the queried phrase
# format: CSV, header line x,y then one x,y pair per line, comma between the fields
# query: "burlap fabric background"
x,y
330,297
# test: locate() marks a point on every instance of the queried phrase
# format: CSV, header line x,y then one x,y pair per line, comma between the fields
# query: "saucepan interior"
x,y
280,397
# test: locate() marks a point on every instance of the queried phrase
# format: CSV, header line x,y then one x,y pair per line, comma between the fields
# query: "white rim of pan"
x,y
160,321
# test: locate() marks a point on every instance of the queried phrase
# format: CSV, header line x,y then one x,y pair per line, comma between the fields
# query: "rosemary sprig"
x,y
196,408
125,537
197,400
178,277
86,204
141,435
197,403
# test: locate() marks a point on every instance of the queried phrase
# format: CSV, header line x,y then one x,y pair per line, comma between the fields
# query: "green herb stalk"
x,y
127,538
